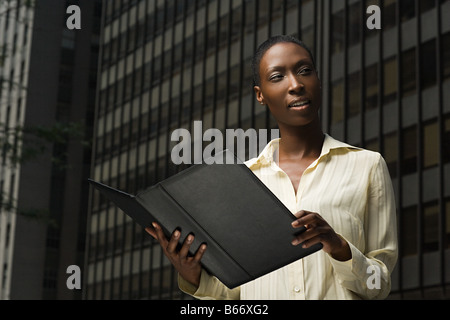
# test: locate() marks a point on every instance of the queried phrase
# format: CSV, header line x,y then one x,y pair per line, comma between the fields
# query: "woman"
x,y
342,194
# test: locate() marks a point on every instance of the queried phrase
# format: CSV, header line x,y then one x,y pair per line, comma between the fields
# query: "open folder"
x,y
247,229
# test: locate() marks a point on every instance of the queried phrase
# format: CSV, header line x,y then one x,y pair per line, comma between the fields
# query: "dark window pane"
x,y
431,227
428,63
371,83
355,23
409,150
354,89
446,140
337,112
447,226
409,231
390,80
445,56
390,153
430,145
407,9
389,13
408,72
337,42
426,5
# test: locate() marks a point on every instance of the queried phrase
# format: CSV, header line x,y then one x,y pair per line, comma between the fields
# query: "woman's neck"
x,y
301,142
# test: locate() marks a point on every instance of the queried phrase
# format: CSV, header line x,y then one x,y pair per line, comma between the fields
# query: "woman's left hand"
x,y
318,230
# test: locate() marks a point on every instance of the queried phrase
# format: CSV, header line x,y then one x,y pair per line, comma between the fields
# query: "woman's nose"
x,y
295,85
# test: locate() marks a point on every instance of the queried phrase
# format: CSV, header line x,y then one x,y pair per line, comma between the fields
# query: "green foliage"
x,y
7,203
20,145
23,144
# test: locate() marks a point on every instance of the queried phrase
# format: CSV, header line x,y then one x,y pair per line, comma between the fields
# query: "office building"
x,y
166,64
48,78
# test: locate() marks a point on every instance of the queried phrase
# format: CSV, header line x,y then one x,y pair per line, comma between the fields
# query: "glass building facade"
x,y
166,64
47,100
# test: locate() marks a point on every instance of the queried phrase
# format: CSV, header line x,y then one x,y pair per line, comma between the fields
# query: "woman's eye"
x,y
305,71
276,77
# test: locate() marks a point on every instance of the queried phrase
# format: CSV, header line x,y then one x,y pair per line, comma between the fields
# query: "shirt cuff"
x,y
346,270
201,290
186,286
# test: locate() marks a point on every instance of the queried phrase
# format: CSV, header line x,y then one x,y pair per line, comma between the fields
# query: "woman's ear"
x,y
259,95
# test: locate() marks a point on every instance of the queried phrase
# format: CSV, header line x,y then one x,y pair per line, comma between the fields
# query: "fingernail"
x,y
294,242
190,238
176,234
154,225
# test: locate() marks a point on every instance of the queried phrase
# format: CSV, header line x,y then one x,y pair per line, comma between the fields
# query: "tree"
x,y
20,145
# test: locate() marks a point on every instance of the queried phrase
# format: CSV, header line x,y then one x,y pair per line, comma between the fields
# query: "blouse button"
x,y
296,289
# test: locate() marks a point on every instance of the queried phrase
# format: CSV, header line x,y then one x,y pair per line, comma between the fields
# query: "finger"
x,y
304,219
300,213
173,242
151,232
307,235
160,235
200,252
186,246
310,242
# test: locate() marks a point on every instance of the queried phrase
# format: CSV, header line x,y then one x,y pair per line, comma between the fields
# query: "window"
x,y
354,89
409,231
408,73
430,145
177,57
447,221
354,24
446,140
159,16
128,83
373,145
236,21
407,9
390,80
337,112
157,66
308,37
337,32
389,12
212,36
276,10
249,15
445,56
431,227
428,63
390,153
223,36
188,52
409,150
263,12
426,5
371,83
167,64
199,45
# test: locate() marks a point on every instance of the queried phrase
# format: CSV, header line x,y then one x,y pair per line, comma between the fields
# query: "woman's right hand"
x,y
188,267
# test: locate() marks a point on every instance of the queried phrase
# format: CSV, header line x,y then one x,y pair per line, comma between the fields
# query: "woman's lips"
x,y
299,104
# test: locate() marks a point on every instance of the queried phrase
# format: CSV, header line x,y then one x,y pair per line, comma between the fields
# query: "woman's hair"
x,y
266,45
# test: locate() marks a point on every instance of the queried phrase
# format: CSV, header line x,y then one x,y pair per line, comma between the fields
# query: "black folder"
x,y
247,229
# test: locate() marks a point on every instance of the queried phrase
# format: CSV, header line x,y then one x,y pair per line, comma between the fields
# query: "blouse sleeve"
x,y
210,288
368,273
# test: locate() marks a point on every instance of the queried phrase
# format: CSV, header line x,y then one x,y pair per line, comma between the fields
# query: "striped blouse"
x,y
351,189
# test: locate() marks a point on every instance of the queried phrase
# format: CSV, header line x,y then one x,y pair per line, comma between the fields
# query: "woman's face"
x,y
289,85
